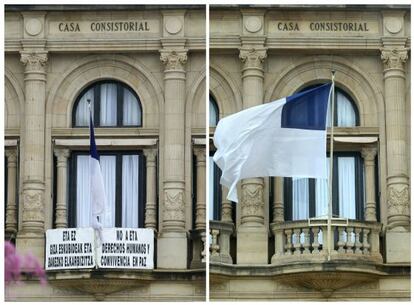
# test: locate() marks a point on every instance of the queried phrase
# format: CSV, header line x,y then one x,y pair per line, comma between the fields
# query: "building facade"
x,y
273,245
143,69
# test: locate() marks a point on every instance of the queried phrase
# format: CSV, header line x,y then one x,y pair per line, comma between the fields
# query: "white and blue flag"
x,y
284,138
98,197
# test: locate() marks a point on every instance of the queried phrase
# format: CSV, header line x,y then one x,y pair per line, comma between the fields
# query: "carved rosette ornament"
x,y
398,200
252,203
252,58
174,59
34,61
174,204
394,58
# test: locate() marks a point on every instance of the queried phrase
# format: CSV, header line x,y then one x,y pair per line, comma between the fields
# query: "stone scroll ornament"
x,y
394,58
34,61
252,57
174,59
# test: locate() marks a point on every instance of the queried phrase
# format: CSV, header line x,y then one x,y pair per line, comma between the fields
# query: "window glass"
x,y
108,105
211,180
82,110
132,112
130,190
213,113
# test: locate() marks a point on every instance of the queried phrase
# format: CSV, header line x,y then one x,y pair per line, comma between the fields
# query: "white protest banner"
x,y
70,249
124,248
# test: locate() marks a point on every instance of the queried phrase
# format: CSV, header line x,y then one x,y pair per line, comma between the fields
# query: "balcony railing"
x,y
220,233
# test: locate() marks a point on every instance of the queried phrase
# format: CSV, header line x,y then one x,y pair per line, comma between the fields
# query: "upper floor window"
x,y
214,112
346,112
112,104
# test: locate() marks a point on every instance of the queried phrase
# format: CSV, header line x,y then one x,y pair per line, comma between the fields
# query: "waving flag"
x,y
98,197
284,138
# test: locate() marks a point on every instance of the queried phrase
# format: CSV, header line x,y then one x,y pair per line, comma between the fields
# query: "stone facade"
x,y
51,55
260,54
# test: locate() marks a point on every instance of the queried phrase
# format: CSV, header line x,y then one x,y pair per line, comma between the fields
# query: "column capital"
x,y
369,153
11,155
34,60
150,154
200,153
62,153
394,58
252,57
174,59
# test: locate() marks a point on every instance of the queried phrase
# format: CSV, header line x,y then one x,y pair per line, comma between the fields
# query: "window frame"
x,y
97,104
72,183
213,101
359,189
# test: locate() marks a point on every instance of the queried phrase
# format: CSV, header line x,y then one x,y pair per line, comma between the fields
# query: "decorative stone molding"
x,y
252,57
253,24
394,58
226,206
34,61
34,26
252,202
62,155
174,59
369,153
174,216
398,200
33,210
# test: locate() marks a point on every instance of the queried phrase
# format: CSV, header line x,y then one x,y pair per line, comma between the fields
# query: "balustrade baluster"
x,y
306,243
365,243
349,242
358,243
215,247
341,239
315,244
297,245
288,245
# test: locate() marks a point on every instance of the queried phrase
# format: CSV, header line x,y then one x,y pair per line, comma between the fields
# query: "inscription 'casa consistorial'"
x,y
104,26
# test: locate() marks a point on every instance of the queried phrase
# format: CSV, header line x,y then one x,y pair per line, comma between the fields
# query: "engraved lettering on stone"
x,y
398,200
394,58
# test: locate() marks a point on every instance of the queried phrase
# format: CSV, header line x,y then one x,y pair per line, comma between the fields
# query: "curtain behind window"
x,y
82,111
211,184
108,105
346,187
131,111
346,113
322,193
300,198
83,211
130,191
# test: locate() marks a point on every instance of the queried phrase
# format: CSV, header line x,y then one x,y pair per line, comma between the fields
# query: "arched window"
x,y
214,112
112,103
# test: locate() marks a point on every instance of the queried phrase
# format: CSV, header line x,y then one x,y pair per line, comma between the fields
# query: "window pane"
x,y
83,211
346,112
82,110
213,114
321,193
108,167
211,188
300,198
132,113
130,190
346,187
108,105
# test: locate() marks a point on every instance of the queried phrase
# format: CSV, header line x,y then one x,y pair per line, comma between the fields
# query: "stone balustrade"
x,y
349,239
220,233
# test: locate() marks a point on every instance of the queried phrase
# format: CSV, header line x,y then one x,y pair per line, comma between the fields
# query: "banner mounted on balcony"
x,y
70,249
119,248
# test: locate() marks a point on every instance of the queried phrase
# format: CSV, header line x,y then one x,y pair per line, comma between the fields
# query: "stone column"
x,y
11,207
369,153
278,217
398,195
200,221
226,206
252,234
173,235
151,201
397,165
31,236
62,155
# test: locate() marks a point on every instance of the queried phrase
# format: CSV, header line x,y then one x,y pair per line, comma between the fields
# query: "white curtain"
x,y
132,113
211,184
213,115
82,110
83,210
346,187
322,194
108,105
108,167
346,113
130,191
300,198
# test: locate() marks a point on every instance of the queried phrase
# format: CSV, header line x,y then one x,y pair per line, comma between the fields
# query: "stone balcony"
x,y
301,256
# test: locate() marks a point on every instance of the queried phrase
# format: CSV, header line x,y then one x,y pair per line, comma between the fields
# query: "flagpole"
x,y
331,166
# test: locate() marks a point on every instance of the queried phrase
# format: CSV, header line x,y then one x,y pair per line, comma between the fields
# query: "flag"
x,y
98,198
284,138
